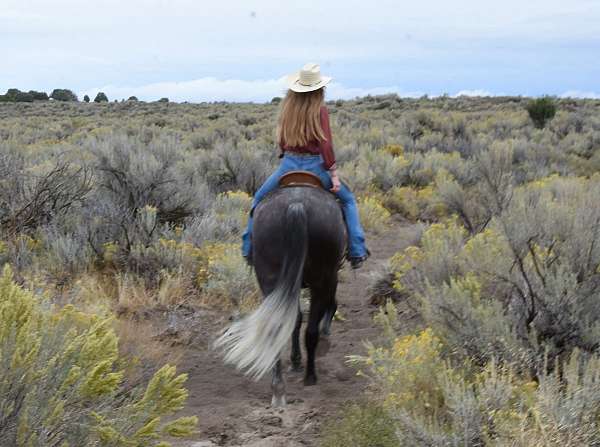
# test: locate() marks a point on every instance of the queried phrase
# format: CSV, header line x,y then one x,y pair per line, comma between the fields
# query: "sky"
x,y
199,50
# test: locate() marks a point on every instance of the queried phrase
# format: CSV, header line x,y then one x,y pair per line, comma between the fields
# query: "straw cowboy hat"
x,y
307,79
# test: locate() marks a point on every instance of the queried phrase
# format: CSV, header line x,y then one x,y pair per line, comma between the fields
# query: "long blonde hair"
x,y
300,118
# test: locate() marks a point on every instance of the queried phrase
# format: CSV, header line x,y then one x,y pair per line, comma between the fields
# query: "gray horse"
x,y
299,240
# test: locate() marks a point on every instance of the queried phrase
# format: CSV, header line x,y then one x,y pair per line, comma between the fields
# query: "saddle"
x,y
300,178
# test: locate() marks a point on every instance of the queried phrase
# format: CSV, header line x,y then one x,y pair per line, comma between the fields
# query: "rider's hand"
x,y
335,180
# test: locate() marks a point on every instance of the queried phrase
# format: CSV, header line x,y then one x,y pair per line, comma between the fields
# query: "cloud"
x,y
501,46
237,90
339,91
476,92
580,94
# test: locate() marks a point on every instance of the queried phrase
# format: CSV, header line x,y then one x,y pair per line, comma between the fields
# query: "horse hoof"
x,y
310,380
278,401
296,368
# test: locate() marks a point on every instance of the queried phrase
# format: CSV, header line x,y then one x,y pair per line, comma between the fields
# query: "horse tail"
x,y
254,343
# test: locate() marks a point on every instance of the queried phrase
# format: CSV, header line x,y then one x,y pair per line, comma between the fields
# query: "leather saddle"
x,y
300,178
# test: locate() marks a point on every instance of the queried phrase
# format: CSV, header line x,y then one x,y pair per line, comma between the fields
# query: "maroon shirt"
x,y
322,148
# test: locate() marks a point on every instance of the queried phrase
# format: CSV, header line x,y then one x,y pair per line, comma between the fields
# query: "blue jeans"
x,y
314,164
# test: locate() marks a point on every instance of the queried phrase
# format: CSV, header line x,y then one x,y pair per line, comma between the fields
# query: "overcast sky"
x,y
199,50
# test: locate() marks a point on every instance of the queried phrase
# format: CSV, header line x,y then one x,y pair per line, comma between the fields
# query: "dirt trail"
x,y
234,411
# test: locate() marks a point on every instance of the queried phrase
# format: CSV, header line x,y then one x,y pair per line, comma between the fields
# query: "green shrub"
x,y
101,97
39,96
16,95
373,216
30,198
62,383
541,111
86,98
11,94
23,97
227,278
361,425
61,94
519,290
431,398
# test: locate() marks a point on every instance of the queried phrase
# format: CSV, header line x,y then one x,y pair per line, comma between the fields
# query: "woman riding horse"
x,y
305,141
298,241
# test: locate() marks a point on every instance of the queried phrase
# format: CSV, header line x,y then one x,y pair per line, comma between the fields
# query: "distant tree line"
x,y
16,95
58,94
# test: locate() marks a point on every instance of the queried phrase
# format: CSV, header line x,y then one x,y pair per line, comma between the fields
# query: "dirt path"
x,y
234,411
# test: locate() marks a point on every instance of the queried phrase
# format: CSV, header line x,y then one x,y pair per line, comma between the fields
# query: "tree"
x,y
101,97
132,98
63,94
541,111
11,93
86,98
163,100
39,96
23,97
16,95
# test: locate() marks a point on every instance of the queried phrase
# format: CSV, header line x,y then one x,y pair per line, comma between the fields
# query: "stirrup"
x,y
356,262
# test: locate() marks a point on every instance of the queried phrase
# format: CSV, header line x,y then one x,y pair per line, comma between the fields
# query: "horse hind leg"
x,y
328,318
318,307
278,387
296,357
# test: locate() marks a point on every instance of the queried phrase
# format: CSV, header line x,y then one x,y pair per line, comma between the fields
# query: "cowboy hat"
x,y
308,79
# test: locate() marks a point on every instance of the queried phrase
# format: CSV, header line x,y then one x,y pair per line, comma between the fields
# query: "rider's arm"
x,y
326,149
326,146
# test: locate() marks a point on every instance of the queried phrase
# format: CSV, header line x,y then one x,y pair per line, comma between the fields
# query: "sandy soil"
x,y
235,411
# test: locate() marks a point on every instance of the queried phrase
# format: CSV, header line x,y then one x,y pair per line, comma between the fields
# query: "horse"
x,y
299,240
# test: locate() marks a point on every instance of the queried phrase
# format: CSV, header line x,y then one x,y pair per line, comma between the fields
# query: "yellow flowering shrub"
x,y
438,255
403,200
405,370
409,372
403,262
415,203
110,252
487,252
31,243
232,208
396,150
431,397
61,383
373,215
185,250
225,276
